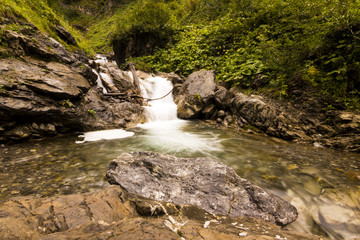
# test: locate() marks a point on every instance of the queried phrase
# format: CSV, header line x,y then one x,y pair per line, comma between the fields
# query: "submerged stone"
x,y
202,182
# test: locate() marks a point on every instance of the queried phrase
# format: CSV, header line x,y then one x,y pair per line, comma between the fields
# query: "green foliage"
x,y
145,19
2,88
220,46
100,33
68,104
97,20
92,113
277,38
318,40
43,17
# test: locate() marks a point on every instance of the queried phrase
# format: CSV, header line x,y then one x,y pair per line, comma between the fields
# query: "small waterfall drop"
x,y
164,108
165,131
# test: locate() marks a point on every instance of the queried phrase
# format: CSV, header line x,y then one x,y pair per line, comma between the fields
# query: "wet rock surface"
x,y
200,97
202,182
266,117
115,214
46,90
51,79
195,94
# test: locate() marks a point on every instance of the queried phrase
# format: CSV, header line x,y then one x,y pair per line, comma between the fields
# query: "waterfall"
x,y
163,109
164,131
99,82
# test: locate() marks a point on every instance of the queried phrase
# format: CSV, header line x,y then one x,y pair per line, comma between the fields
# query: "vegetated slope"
x,y
38,13
97,20
285,48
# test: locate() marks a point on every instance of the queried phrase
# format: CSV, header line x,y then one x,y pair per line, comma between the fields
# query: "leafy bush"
x,y
146,16
317,41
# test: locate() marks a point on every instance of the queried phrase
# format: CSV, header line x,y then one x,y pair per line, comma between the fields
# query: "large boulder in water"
x,y
202,182
195,94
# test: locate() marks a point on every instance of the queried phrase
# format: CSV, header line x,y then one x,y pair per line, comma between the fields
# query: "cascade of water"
x,y
99,82
163,109
165,131
101,59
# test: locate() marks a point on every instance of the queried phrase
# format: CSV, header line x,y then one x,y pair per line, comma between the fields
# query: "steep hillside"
x,y
43,17
97,20
292,50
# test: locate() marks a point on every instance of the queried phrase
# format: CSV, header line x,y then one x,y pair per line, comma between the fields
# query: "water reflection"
x,y
323,184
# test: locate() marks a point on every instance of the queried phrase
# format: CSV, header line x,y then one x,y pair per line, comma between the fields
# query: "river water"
x,y
322,183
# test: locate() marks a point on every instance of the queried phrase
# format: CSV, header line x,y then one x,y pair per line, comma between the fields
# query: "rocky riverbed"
x,y
114,213
46,90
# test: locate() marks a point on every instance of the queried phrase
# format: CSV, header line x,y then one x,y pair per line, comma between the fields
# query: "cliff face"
x,y
46,89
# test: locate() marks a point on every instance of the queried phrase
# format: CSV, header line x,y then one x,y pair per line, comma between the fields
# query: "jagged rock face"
x,y
200,97
65,35
115,214
122,81
202,182
50,79
266,117
45,89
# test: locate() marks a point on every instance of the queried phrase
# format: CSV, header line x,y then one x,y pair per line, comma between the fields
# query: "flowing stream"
x,y
322,183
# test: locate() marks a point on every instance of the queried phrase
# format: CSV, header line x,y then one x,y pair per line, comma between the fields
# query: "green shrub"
x,y
147,24
277,38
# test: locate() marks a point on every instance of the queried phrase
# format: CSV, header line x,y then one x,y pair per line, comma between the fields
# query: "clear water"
x,y
323,184
301,174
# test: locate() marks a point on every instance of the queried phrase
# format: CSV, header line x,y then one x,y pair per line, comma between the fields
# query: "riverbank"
x,y
200,97
46,90
312,179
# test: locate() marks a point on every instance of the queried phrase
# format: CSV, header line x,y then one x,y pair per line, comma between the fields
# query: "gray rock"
x,y
52,79
65,35
345,117
338,211
18,133
266,117
208,111
195,93
222,98
45,89
202,182
122,81
221,114
201,83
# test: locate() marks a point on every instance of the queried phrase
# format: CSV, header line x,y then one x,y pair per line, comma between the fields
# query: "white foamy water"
x,y
163,109
106,78
101,59
170,136
164,129
99,82
104,135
